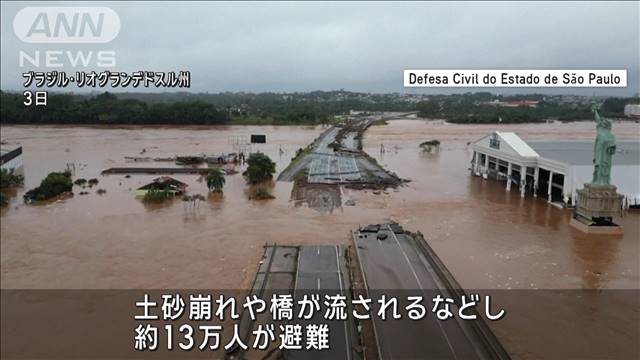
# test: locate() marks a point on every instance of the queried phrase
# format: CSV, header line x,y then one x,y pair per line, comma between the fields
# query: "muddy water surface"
x,y
489,238
116,241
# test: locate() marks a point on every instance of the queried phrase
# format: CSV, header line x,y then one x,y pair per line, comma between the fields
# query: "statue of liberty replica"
x,y
598,202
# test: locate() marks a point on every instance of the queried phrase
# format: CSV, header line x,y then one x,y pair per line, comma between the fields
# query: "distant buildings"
x,y
515,103
632,111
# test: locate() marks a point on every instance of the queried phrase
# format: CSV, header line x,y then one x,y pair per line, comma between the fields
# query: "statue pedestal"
x,y
596,205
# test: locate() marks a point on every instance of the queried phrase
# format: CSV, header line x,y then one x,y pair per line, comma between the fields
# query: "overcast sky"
x,y
359,46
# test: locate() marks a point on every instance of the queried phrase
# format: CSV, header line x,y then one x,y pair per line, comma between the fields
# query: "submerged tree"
x,y
429,145
215,180
260,193
8,179
51,186
260,168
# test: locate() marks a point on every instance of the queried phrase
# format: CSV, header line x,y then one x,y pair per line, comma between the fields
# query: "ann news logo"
x,y
66,25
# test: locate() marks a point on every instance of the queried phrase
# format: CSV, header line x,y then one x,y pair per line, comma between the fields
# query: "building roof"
x,y
523,102
6,149
164,183
580,152
7,154
519,145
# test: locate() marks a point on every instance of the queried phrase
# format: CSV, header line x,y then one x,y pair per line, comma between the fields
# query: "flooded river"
x,y
487,237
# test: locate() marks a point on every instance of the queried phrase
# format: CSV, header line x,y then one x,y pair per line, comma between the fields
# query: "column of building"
x,y
549,188
486,166
523,180
476,160
509,170
536,175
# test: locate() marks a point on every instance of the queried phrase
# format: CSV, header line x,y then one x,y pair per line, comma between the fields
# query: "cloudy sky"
x,y
359,46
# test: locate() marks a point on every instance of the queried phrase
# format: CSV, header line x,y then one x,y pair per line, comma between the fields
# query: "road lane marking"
x,y
346,331
420,284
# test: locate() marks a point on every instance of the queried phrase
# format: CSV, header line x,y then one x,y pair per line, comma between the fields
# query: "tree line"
x,y
107,108
317,107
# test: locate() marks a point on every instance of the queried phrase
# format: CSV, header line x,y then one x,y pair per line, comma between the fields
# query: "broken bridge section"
x,y
322,271
384,261
304,271
396,263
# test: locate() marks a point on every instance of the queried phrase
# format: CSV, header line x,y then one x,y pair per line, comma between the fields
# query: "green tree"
x,y
8,179
260,168
215,180
53,185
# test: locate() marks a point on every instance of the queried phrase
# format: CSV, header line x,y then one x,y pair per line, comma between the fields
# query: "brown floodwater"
x,y
487,237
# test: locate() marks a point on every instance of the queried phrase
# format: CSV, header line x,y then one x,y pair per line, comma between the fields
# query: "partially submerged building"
x,y
165,184
554,169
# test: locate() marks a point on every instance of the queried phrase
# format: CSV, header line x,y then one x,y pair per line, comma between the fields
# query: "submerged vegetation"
x,y
8,180
83,183
433,142
155,196
260,193
215,180
54,184
429,145
260,168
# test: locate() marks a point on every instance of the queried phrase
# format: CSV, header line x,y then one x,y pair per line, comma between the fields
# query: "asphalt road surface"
x,y
326,166
322,271
394,266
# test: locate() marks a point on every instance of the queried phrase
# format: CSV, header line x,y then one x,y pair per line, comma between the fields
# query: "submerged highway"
x,y
335,158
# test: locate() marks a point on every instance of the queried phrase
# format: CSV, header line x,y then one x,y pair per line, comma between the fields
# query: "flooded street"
x,y
487,237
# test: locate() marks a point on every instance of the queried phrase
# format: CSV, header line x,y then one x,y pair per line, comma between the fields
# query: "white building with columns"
x,y
553,169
